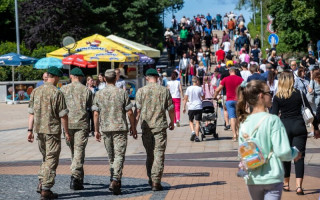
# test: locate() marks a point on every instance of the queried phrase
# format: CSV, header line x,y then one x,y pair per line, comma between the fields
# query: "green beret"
x,y
152,72
55,71
110,73
77,72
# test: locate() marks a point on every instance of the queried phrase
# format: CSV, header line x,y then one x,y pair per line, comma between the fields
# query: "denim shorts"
x,y
231,108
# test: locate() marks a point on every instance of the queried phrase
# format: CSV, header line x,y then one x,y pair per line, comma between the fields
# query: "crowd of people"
x,y
260,100
248,86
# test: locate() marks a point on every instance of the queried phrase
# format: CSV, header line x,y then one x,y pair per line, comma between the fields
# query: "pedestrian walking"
x,y
79,101
110,107
152,102
47,112
183,66
231,84
120,83
288,101
176,93
194,96
269,134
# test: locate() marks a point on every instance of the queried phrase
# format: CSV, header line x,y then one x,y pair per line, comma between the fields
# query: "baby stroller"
x,y
209,117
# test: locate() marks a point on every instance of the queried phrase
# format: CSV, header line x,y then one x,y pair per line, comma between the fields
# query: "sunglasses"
x,y
269,92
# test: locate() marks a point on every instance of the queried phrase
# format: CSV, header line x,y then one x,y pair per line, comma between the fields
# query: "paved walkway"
x,y
205,170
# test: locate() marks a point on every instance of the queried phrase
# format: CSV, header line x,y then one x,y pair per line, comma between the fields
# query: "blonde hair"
x,y
285,85
273,53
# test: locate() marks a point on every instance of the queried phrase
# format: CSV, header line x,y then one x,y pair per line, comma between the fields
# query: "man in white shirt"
x,y
183,65
245,73
194,96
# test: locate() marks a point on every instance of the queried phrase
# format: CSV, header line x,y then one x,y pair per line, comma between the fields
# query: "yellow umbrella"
x,y
109,56
95,42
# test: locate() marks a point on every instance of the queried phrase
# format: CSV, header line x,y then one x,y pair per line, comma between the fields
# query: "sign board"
x,y
270,28
270,18
273,39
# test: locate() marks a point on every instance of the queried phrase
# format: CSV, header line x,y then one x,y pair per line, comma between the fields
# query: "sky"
x,y
194,7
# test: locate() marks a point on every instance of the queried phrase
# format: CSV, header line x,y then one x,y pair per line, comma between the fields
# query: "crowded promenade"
x,y
225,119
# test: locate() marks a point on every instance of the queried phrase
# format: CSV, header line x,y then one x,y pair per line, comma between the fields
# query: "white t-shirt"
x,y
245,74
121,84
174,88
263,67
242,57
226,46
101,86
195,94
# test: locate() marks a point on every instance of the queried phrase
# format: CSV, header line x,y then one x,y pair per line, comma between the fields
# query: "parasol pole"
x,y
13,92
98,68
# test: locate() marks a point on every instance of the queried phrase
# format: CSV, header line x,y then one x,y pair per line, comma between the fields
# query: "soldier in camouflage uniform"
x,y
110,106
152,102
47,111
79,101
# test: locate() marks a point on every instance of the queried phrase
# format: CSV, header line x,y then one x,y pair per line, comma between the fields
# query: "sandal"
x,y
286,188
301,192
234,139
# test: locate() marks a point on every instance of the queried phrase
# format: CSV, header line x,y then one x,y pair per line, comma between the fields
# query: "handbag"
x,y
306,112
310,96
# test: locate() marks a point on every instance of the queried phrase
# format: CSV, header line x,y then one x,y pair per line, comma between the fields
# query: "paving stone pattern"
x,y
96,187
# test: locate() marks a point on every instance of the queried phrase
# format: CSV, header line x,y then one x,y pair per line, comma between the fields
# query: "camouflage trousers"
x,y
50,148
155,144
77,144
116,145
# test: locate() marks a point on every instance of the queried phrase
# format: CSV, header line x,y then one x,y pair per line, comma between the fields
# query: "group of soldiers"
x,y
50,108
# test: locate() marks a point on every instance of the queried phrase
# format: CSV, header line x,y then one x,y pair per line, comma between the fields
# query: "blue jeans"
x,y
190,79
231,34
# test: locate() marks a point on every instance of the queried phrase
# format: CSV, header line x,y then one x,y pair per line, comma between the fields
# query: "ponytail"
x,y
247,94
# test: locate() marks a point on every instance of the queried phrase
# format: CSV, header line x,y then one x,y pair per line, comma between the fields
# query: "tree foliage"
x,y
7,22
47,22
299,20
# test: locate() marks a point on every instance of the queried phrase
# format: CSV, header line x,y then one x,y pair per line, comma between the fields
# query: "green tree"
x,y
299,20
8,47
7,22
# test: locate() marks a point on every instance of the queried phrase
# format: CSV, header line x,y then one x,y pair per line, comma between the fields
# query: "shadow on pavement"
x,y
198,185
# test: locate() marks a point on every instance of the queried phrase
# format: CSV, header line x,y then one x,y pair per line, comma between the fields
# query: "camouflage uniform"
x,y
153,100
79,101
112,104
47,105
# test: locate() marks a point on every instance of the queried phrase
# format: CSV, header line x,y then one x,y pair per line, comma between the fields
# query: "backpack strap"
x,y
253,133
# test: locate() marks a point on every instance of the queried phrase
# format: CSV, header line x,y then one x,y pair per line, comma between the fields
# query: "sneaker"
x,y
178,123
227,128
193,135
311,134
175,125
196,139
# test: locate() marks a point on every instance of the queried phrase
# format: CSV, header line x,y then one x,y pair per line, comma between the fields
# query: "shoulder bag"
x,y
310,96
306,112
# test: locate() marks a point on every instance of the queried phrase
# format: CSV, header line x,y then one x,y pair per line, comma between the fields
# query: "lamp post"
x,y
254,12
17,26
261,24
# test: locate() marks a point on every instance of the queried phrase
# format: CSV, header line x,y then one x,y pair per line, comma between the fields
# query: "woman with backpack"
x,y
267,132
201,71
288,101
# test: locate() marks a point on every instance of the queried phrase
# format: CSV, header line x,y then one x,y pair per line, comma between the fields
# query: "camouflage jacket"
x,y
79,101
47,104
153,100
112,104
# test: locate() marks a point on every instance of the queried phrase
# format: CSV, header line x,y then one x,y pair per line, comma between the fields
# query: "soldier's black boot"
x,y
39,188
76,184
116,187
48,195
156,187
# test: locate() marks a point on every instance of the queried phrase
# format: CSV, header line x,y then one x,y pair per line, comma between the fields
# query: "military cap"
x,y
77,72
55,71
111,73
152,72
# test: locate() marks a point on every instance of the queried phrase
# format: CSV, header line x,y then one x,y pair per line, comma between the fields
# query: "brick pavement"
x,y
215,158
